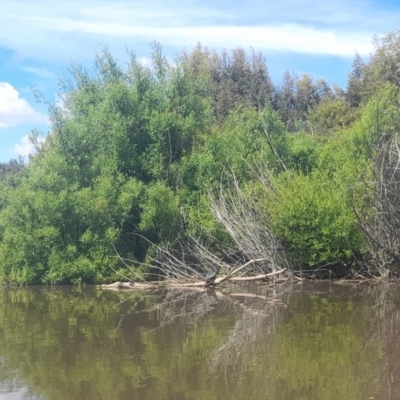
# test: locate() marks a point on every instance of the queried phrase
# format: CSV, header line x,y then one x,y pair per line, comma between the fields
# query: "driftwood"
x,y
258,277
200,284
128,286
227,278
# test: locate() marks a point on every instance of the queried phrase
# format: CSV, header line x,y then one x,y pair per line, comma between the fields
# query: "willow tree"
x,y
105,172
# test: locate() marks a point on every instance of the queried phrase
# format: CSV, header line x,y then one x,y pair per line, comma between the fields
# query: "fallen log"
x,y
202,284
257,277
128,286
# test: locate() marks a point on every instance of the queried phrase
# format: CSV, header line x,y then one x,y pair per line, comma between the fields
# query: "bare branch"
x,y
381,221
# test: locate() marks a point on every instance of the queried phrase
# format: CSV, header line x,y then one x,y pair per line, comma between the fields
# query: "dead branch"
x,y
380,218
187,260
236,270
247,226
129,285
257,277
201,284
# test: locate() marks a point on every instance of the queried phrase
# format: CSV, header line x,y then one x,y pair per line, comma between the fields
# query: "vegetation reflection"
x,y
65,343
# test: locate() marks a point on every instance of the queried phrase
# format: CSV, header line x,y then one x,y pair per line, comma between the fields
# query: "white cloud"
x,y
24,148
283,37
15,110
65,30
145,61
292,38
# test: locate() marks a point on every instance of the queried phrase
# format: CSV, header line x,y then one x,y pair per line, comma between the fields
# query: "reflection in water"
x,y
312,342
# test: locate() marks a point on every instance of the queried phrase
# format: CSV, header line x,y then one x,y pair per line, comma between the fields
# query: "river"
x,y
310,341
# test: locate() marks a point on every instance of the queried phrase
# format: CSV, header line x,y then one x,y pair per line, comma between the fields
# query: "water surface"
x,y
315,341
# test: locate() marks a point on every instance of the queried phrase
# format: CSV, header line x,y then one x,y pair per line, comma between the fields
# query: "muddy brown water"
x,y
312,341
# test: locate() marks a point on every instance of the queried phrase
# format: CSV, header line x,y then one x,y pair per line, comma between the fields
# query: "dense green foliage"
x,y
134,152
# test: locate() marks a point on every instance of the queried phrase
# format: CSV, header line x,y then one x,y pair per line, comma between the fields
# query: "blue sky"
x,y
39,39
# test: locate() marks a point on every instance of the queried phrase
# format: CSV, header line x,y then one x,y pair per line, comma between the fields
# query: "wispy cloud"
x,y
40,72
15,110
331,27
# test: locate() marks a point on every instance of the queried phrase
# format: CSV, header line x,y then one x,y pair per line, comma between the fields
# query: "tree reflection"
x,y
320,342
